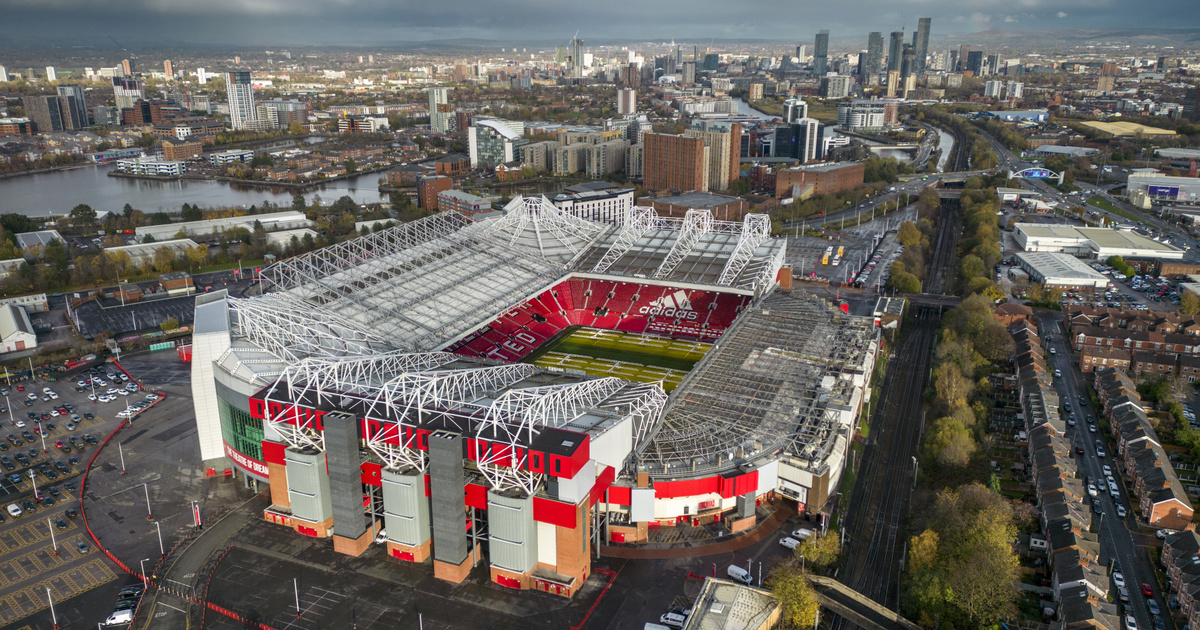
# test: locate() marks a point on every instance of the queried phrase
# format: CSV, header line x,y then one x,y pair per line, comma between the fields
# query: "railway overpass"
x,y
856,607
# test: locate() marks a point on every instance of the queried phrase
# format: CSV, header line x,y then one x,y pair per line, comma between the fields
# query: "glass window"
x,y
241,431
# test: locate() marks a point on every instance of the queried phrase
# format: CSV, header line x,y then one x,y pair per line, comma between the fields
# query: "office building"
x,y
168,70
801,54
868,114
16,127
872,63
712,61
671,162
178,152
689,72
921,46
493,142
3,74
907,61
975,62
104,116
239,92
893,83
821,54
836,86
800,140
605,158
626,101
127,67
126,90
201,76
280,113
794,109
896,51
963,52
54,113
992,66
440,112
76,105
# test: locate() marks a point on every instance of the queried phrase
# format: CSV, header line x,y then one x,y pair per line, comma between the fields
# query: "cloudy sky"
x,y
319,22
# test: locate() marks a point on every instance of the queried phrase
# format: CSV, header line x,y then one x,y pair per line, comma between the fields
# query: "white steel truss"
x,y
519,414
298,270
644,402
637,222
319,381
538,215
696,224
405,399
757,227
293,329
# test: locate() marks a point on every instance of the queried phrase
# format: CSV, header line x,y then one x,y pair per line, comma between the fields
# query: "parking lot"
x,y
807,253
50,430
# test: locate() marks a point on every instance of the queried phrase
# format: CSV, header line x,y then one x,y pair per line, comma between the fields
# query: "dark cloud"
x,y
321,22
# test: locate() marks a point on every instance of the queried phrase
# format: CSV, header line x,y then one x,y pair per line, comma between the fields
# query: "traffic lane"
x,y
1116,540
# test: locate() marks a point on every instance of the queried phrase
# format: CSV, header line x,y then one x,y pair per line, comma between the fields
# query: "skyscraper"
x,y
921,46
908,61
896,51
800,140
963,51
689,72
3,74
801,53
201,76
51,74
1191,104
439,110
821,54
874,59
723,146
168,70
241,99
127,67
577,57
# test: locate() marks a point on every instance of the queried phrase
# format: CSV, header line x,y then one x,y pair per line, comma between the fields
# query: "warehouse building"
x,y
1160,188
1061,271
271,222
1099,243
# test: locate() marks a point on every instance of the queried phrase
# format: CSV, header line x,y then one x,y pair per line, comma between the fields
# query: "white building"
x,y
1164,188
993,89
229,157
271,222
440,113
16,332
1061,271
626,101
596,201
1016,89
51,74
151,166
142,255
1099,243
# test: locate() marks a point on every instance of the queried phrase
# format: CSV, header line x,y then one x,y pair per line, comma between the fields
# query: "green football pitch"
x,y
630,356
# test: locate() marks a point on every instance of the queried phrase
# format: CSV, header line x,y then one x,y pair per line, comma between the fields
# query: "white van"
x,y
119,617
672,620
789,542
14,510
739,574
654,626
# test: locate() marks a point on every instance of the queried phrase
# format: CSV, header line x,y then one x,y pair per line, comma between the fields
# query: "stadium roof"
x,y
422,285
499,126
766,388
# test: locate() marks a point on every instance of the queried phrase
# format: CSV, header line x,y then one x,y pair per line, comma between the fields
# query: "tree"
x,y
169,323
160,218
1189,303
83,216
197,256
344,205
298,202
951,386
164,259
796,597
909,235
905,282
295,127
350,165
191,213
820,551
950,443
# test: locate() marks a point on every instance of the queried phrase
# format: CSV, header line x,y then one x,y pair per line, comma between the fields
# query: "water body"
x,y
58,192
744,109
946,144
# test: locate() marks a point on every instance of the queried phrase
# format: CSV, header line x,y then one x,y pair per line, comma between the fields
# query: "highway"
x,y
1116,541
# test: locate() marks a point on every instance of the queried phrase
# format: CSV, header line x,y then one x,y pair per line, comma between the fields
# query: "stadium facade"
x,y
378,384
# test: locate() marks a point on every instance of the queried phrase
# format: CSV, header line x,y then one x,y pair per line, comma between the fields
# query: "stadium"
x,y
519,390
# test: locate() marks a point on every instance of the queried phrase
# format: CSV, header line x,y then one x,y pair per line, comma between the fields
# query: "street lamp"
x,y
161,550
33,479
142,564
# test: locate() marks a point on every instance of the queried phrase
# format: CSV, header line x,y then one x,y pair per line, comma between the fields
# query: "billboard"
x,y
1044,174
1163,191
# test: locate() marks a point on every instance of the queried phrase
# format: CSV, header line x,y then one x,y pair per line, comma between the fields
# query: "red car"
x,y
1079,450
20,388
1146,590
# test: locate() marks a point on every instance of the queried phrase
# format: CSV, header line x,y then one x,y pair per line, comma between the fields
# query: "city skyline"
x,y
378,21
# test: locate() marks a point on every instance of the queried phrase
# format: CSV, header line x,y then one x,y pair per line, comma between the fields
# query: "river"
x,y
946,144
58,192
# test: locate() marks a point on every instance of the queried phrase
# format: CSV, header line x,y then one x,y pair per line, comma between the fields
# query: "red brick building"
x,y
826,178
672,162
428,189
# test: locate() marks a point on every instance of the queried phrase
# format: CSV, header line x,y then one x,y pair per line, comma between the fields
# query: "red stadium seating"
x,y
615,305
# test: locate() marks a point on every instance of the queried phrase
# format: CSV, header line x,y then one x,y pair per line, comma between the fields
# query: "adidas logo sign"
x,y
672,305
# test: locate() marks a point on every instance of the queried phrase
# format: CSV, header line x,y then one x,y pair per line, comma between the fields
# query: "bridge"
x,y
856,607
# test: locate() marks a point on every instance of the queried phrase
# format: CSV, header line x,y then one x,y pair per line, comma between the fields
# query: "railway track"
x,y
875,529
941,267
